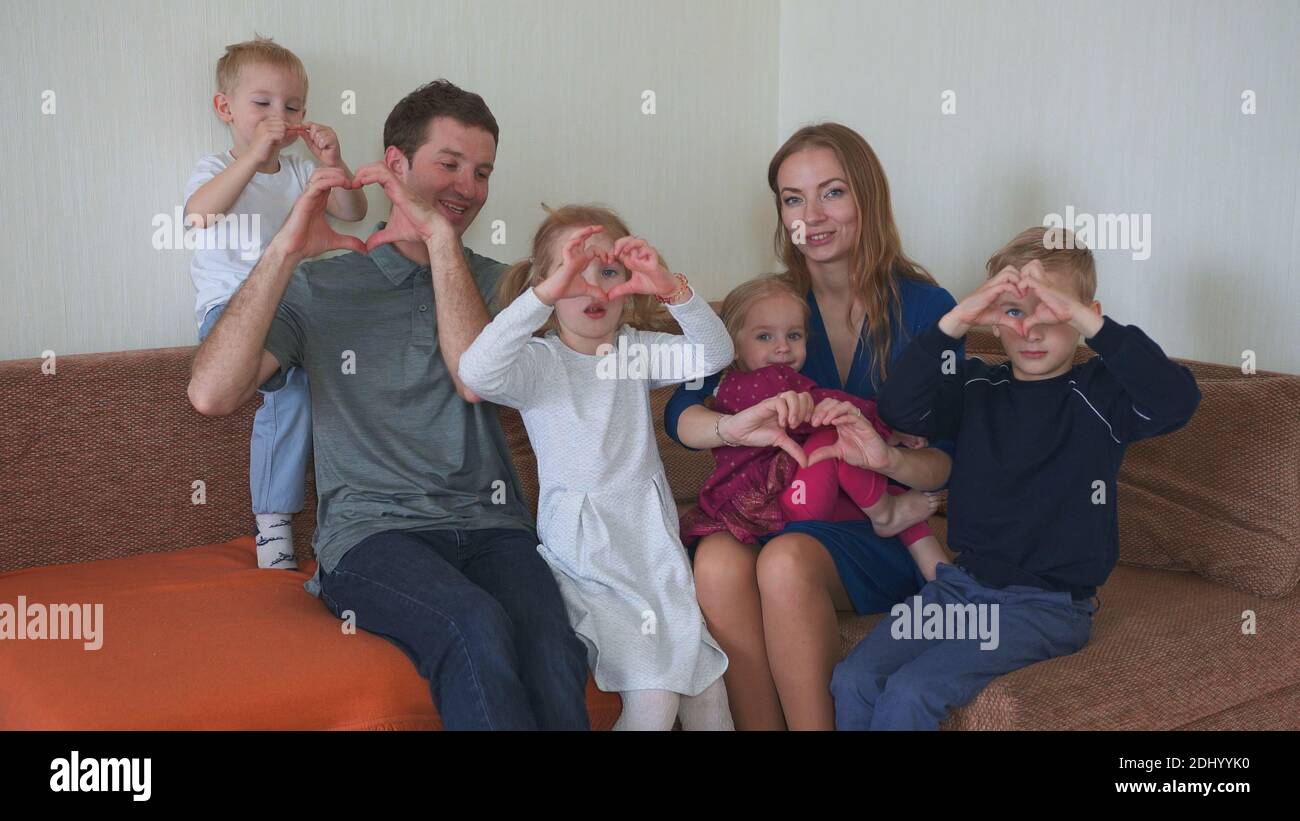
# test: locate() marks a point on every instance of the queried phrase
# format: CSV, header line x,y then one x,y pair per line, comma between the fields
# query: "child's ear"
x,y
1095,307
221,104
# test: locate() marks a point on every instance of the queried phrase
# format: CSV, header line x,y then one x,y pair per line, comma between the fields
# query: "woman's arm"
x,y
860,445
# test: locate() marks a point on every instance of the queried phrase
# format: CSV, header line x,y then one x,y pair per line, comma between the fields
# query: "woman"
x,y
772,608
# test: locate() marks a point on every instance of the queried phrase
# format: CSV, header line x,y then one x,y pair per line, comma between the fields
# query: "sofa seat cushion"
x,y
203,639
1167,650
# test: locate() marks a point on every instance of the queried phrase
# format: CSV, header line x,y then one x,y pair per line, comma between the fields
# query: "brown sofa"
x,y
102,461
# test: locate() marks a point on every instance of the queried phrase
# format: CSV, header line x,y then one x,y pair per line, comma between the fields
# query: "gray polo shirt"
x,y
395,447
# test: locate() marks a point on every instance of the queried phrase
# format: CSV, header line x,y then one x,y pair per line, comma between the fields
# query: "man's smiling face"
x,y
450,170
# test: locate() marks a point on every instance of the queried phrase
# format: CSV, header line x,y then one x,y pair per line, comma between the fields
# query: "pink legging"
x,y
822,486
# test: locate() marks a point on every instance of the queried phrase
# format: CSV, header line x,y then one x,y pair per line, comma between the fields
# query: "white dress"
x,y
606,516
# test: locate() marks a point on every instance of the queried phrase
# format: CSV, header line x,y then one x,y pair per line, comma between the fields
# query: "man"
x,y
421,527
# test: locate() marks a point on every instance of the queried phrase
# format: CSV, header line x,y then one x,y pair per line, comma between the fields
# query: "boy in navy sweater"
x,y
1032,502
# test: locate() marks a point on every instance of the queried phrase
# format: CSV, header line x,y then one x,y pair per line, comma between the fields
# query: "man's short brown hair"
x,y
1059,252
407,126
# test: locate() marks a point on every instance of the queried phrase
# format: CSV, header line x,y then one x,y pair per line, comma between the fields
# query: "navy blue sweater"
x,y
1031,499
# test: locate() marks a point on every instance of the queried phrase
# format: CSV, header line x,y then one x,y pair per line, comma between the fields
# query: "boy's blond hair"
x,y
258,51
1059,252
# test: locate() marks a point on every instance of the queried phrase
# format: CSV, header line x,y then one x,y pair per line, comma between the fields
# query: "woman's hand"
x,y
858,444
765,424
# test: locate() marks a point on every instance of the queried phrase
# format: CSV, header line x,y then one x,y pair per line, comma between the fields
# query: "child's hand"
x,y
271,133
412,219
569,281
1055,306
322,142
981,307
646,274
907,440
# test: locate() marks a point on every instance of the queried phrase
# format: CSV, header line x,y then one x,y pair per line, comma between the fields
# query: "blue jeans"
x,y
277,454
911,683
479,614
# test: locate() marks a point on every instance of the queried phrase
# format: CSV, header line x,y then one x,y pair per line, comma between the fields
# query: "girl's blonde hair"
x,y
640,310
736,307
878,261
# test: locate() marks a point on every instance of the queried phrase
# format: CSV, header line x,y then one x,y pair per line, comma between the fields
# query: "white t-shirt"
x,y
229,249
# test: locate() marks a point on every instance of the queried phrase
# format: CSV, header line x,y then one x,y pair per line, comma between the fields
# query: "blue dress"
x,y
876,572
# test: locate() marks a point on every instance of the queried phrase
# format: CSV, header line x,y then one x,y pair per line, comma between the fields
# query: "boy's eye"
x,y
261,102
291,108
796,334
763,337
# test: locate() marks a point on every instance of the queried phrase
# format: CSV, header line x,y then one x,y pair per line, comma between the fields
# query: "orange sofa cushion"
x,y
203,639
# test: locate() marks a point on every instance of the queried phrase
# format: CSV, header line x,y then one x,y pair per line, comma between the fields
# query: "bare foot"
x,y
894,514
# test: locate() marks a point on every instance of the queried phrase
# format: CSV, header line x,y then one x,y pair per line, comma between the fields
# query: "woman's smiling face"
x,y
814,188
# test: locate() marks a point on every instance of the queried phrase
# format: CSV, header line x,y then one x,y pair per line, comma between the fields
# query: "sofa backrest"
x,y
105,457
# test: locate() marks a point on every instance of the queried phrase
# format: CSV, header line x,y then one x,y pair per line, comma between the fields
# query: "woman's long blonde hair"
x,y
878,260
639,310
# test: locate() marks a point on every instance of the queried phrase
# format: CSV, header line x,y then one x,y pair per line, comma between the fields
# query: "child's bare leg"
x,y
927,553
921,543
891,514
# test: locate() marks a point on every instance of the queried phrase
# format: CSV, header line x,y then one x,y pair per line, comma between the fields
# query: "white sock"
x,y
648,710
709,710
275,541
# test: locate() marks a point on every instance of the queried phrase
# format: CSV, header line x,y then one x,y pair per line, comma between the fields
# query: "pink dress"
x,y
749,493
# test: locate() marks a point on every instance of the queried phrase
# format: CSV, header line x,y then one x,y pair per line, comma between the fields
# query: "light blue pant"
x,y
277,457
910,683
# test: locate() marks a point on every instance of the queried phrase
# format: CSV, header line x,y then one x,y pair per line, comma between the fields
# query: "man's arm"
x,y
232,362
462,314
459,308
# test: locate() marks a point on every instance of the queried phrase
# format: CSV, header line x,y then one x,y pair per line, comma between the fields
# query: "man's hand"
x,y
412,219
306,232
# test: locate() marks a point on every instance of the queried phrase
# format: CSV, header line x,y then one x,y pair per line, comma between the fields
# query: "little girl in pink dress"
x,y
755,491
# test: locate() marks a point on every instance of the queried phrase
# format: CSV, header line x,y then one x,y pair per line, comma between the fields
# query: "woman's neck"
x,y
832,285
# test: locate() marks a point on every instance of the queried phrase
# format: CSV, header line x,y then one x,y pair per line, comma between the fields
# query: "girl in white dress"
x,y
606,516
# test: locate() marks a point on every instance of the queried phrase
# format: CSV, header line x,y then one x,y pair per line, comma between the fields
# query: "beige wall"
x,y
133,85
1106,106
1111,106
